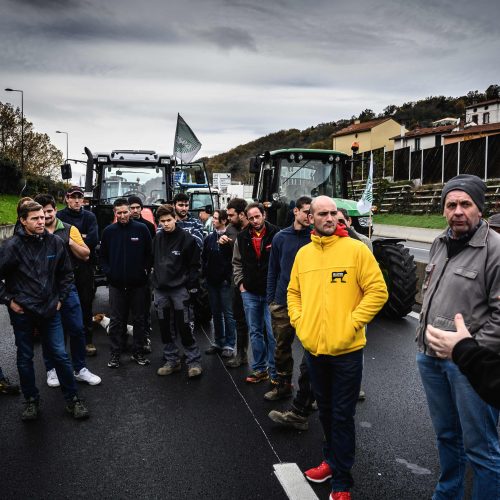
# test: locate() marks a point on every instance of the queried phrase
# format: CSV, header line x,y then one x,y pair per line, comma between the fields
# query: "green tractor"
x,y
282,176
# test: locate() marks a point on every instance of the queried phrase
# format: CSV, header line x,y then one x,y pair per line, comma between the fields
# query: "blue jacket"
x,y
125,254
286,244
216,260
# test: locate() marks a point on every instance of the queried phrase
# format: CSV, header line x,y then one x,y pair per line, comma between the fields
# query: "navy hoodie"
x,y
286,244
125,254
85,221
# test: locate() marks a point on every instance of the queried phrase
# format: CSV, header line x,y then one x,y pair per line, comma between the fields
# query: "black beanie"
x,y
135,199
470,184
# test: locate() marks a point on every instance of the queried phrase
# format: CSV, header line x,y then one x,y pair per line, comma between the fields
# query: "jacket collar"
x,y
324,241
479,238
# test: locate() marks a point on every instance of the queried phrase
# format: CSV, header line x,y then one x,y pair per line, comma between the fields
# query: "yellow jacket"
x,y
336,288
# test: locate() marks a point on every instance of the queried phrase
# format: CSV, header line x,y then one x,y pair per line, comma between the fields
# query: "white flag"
x,y
186,144
365,203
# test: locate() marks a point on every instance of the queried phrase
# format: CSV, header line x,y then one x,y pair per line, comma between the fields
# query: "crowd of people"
x,y
316,280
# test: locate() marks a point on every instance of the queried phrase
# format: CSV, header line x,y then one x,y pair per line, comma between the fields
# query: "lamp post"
x,y
62,132
22,125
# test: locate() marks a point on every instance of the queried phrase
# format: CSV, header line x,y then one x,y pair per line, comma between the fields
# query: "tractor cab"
x,y
284,175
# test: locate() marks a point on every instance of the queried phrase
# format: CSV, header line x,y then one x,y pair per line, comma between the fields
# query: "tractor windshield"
x,y
148,183
309,177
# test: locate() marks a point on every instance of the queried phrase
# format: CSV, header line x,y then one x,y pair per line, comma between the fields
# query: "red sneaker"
x,y
320,473
340,495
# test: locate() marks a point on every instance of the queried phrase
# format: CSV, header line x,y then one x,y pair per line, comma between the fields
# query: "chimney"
x,y
402,133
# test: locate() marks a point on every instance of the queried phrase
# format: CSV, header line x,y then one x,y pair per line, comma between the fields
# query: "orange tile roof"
x,y
360,127
475,129
484,103
420,132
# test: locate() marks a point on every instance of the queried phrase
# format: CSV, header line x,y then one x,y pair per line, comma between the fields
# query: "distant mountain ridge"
x,y
412,114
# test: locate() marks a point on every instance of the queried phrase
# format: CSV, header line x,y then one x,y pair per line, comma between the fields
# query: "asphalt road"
x,y
170,437
419,250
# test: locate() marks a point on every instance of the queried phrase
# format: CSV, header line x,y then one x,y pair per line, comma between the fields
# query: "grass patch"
x,y
428,221
8,205
8,208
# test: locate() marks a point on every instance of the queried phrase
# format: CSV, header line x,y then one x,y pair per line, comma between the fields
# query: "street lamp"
x,y
62,132
22,125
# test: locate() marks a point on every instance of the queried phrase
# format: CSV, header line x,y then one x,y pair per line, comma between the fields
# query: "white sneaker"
x,y
52,380
85,375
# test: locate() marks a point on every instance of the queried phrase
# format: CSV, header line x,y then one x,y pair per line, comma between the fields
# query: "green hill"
x,y
412,114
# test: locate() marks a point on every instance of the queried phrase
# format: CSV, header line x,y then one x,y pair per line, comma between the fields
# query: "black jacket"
x,y
86,223
216,260
35,271
125,254
252,271
481,366
176,260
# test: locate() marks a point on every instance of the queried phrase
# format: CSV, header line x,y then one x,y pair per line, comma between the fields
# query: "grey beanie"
x,y
470,184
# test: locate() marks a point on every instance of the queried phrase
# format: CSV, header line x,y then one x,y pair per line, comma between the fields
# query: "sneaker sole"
x,y
87,382
53,385
318,480
277,398
146,363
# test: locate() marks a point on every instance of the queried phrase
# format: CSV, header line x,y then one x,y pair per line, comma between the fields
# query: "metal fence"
x,y
480,157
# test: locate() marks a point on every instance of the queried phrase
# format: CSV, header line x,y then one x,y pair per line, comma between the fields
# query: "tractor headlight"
x,y
364,221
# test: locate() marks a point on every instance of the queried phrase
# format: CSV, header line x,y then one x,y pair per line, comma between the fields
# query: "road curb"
x,y
422,235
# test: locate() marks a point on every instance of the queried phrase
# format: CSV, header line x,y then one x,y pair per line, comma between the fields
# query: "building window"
x,y
474,110
438,140
486,118
417,143
474,119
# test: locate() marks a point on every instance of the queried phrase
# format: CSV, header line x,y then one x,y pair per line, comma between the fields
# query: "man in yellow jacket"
x,y
335,289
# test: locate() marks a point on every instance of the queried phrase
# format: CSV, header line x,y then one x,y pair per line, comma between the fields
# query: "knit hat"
x,y
135,199
470,184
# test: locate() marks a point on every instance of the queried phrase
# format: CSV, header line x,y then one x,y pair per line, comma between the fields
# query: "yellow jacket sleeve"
x,y
294,300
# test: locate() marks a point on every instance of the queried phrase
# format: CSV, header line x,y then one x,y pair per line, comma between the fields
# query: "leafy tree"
x,y
366,115
40,156
493,92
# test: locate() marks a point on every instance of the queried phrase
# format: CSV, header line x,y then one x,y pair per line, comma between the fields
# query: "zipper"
x,y
430,300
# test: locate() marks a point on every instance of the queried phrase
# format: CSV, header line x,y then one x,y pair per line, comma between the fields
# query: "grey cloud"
x,y
229,38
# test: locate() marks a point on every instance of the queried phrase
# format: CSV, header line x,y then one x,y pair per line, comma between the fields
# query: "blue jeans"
x,y
72,321
221,304
336,381
52,337
466,429
258,319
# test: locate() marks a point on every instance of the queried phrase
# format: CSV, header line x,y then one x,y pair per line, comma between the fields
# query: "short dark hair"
x,y
165,210
222,214
180,197
120,202
237,204
27,207
303,200
21,202
344,212
45,199
255,204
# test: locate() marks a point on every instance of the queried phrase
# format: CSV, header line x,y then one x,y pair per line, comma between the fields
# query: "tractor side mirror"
x,y
255,165
66,171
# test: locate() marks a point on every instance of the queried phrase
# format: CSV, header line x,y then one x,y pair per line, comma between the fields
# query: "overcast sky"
x,y
115,73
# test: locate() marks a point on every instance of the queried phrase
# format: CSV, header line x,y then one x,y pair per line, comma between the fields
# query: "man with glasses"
x,y
86,222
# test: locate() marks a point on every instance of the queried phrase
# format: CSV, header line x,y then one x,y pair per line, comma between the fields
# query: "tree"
x,y
40,156
366,115
493,92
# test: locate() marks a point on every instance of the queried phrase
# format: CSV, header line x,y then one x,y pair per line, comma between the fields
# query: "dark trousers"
x,y
84,281
52,337
123,301
336,381
241,324
302,403
284,333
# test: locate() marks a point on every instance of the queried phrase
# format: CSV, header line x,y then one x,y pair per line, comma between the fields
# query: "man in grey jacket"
x,y
463,276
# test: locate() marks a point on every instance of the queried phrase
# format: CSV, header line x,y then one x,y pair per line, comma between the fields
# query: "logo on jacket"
x,y
338,275
176,252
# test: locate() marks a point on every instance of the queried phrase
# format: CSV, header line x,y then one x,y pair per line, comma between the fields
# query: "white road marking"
x,y
418,248
416,469
293,481
414,315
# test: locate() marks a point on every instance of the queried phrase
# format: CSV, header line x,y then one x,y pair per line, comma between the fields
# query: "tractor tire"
x,y
399,270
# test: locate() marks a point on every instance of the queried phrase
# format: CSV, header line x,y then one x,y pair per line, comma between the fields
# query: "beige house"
x,y
370,135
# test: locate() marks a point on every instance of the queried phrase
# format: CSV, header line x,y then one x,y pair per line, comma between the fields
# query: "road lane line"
x,y
293,482
414,315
